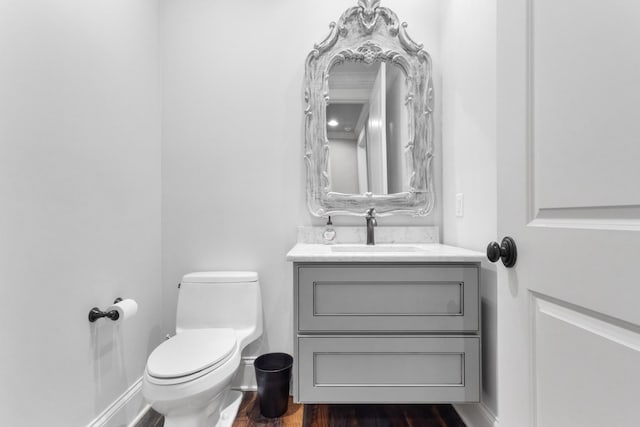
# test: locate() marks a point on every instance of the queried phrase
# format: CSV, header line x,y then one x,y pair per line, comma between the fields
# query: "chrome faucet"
x,y
371,222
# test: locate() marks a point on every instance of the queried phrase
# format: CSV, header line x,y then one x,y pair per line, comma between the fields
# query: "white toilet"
x,y
188,377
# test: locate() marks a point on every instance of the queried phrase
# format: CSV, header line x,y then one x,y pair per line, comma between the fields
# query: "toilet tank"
x,y
220,299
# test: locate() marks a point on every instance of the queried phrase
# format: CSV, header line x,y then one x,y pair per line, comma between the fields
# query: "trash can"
x,y
273,375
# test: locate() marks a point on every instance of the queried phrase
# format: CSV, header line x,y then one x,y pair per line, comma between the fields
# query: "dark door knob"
x,y
507,252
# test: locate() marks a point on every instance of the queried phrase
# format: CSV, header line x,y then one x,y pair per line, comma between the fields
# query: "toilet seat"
x,y
190,354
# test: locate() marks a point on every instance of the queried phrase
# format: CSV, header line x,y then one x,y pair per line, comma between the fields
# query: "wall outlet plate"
x,y
460,205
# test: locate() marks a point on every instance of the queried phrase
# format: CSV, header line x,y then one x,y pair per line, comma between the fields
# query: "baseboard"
x,y
476,415
245,379
140,415
125,410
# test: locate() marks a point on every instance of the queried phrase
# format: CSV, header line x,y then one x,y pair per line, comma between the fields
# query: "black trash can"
x,y
273,374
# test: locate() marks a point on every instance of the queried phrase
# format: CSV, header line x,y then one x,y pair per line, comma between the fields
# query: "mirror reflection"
x,y
367,128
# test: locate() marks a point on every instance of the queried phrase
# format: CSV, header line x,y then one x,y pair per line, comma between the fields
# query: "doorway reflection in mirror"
x,y
367,128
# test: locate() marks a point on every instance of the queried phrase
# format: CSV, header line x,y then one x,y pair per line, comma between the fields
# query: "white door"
x,y
377,135
361,160
568,76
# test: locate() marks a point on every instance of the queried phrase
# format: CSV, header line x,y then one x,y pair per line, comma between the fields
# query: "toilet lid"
x,y
191,351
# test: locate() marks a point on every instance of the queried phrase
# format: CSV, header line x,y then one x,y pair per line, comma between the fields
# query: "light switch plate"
x,y
460,205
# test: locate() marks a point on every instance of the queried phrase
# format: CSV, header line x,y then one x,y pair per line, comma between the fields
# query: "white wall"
x,y
469,151
397,131
80,204
343,165
233,174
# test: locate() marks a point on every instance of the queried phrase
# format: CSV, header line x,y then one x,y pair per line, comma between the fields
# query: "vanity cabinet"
x,y
376,332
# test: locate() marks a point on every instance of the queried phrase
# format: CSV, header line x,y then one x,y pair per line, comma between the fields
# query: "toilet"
x,y
188,377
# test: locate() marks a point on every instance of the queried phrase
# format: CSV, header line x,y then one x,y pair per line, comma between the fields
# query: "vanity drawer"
x,y
388,369
389,298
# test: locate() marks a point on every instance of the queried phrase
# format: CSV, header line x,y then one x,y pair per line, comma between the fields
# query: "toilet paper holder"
x,y
95,313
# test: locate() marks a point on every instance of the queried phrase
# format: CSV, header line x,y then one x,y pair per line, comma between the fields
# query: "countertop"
x,y
402,252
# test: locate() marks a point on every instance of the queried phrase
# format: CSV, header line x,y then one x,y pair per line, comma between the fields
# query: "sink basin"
x,y
375,248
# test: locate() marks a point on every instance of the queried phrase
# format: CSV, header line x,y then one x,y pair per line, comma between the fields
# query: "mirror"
x,y
369,125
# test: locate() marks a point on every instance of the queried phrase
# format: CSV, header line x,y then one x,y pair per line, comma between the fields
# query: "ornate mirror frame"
x,y
369,33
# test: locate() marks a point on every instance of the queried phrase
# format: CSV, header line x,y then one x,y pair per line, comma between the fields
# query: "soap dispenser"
x,y
329,232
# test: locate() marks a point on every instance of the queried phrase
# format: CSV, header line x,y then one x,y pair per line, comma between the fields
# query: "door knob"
x,y
507,252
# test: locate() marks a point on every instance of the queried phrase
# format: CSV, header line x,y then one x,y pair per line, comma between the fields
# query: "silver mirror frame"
x,y
369,33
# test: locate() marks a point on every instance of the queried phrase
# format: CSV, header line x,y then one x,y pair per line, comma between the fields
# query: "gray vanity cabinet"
x,y
386,333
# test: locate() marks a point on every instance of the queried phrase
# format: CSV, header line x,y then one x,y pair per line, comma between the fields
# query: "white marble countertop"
x,y
401,252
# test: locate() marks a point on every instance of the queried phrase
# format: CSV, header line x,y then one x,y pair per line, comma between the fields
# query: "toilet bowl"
x,y
188,377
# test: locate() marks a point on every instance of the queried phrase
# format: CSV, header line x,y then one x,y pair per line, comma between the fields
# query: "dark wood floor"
x,y
336,416
151,419
249,414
